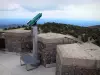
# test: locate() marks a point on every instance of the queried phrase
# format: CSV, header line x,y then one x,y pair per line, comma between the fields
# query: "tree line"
x,y
73,30
17,27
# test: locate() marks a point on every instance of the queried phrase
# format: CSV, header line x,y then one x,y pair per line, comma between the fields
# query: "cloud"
x,y
83,12
66,9
8,5
37,5
19,12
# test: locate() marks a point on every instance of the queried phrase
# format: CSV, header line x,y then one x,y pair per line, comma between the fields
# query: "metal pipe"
x,y
35,32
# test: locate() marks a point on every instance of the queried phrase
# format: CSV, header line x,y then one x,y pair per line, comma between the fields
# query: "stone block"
x,y
73,59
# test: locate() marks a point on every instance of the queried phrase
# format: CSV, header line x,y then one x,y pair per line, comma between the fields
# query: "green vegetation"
x,y
27,28
1,30
74,30
9,28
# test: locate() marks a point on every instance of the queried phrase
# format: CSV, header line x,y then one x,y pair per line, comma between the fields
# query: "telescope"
x,y
28,59
33,23
34,20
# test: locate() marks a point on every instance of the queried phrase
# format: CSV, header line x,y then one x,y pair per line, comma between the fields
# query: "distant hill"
x,y
18,21
11,25
96,26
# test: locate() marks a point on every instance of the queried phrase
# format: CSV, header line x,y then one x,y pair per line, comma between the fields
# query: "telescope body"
x,y
35,19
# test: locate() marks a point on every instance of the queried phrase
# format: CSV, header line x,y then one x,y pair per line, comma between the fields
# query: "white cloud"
x,y
53,4
71,9
20,12
7,5
13,6
39,5
84,12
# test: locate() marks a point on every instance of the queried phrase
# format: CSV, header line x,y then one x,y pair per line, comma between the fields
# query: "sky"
x,y
51,9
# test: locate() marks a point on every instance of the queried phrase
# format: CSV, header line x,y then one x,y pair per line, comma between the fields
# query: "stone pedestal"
x,y
75,59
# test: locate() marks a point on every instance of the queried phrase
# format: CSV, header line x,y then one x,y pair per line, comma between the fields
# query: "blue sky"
x,y
51,9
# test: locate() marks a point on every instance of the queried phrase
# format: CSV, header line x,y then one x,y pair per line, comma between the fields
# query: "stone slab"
x,y
54,37
18,33
94,51
78,59
73,54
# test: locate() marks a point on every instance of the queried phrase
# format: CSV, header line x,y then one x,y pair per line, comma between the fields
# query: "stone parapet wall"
x,y
17,41
47,53
77,59
47,44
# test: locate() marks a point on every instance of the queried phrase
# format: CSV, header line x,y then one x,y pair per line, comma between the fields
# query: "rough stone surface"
x,y
94,51
47,43
75,59
18,40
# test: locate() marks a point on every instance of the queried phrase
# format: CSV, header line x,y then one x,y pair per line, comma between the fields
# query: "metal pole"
x,y
35,32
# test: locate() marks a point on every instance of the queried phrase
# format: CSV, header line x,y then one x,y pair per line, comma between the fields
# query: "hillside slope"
x,y
95,26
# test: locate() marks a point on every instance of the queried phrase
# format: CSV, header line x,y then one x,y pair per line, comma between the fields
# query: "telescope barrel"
x,y
35,19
